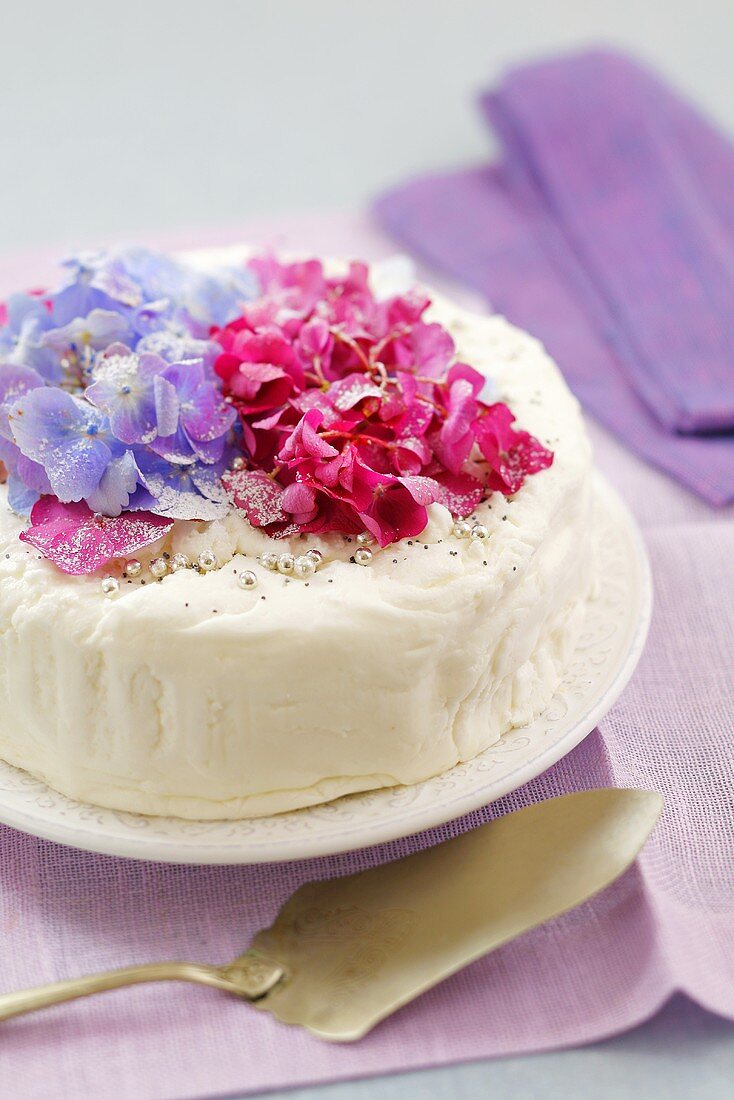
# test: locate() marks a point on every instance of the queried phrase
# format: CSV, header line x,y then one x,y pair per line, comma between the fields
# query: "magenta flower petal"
x,y
460,493
260,497
299,500
78,541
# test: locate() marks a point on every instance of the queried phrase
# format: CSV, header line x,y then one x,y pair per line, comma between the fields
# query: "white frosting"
x,y
195,697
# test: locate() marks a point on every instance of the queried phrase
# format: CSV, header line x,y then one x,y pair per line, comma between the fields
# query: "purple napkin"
x,y
608,231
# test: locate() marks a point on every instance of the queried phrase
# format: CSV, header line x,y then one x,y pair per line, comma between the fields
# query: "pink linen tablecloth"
x,y
667,925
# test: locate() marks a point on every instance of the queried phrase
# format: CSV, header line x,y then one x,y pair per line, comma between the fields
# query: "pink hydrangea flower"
x,y
354,412
79,541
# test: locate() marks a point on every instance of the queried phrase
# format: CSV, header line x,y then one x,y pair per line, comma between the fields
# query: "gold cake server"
x,y
343,954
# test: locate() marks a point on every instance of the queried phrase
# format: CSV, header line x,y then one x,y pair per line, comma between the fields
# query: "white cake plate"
x,y
610,647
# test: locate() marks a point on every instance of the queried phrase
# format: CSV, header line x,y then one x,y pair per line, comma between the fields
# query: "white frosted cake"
x,y
231,680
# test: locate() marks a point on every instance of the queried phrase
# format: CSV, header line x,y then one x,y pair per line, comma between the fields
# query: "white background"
x,y
140,115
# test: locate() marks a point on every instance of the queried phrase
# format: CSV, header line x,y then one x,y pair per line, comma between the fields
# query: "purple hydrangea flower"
x,y
97,330
178,347
95,280
65,435
21,338
116,486
181,491
26,480
205,418
108,394
131,389
218,299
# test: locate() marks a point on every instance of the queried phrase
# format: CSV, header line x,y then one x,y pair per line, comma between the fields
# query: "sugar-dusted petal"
x,y
260,497
79,541
117,485
64,435
349,391
460,493
166,406
207,416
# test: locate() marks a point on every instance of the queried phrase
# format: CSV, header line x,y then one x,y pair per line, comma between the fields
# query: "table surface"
x,y
116,135
682,1052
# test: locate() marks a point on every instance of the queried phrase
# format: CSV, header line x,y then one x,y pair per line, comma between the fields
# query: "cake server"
x,y
343,954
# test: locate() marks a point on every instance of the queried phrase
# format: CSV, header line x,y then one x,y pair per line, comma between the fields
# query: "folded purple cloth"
x,y
608,231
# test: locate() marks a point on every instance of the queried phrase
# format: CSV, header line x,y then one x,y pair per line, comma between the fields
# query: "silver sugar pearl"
x,y
365,539
238,463
178,561
158,567
304,566
479,531
316,557
462,529
133,567
207,560
110,586
363,556
247,579
269,560
286,563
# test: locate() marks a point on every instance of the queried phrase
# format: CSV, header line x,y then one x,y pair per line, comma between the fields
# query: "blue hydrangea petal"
x,y
21,338
62,433
32,474
208,480
20,498
97,330
117,485
172,491
206,416
24,308
174,448
15,380
166,405
175,347
123,388
208,452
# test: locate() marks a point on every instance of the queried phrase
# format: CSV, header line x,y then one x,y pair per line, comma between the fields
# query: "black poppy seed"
x,y
214,611
305,584
186,604
410,542
166,556
504,517
331,580
352,560
425,546
395,561
484,563
262,597
514,569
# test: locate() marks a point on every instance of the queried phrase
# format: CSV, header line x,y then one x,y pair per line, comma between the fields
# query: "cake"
x,y
273,645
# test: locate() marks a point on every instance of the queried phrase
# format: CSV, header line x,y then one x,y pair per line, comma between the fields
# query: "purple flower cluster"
x,y
107,393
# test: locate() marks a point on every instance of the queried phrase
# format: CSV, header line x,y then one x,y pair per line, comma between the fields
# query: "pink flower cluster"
x,y
354,413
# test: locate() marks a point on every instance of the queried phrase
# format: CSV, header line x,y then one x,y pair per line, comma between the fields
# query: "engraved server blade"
x,y
356,949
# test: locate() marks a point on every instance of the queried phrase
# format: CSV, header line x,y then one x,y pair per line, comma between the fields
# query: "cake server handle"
x,y
250,979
